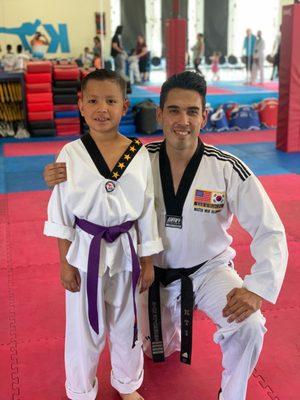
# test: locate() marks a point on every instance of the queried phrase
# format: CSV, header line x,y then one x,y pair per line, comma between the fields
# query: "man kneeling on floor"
x,y
198,190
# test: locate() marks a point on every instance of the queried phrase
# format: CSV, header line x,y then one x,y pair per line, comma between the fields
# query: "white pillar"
x,y
153,27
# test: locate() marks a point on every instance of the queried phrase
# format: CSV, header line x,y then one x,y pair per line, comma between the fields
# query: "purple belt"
x,y
109,234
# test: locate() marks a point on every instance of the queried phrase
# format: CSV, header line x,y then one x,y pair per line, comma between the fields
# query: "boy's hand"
x,y
147,273
55,173
70,277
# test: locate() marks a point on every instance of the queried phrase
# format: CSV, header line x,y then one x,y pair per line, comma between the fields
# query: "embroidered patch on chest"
x,y
209,201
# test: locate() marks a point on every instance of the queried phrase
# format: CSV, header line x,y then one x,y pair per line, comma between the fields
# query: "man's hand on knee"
x,y
241,303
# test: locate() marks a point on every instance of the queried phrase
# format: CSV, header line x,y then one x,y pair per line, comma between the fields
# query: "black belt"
x,y
165,277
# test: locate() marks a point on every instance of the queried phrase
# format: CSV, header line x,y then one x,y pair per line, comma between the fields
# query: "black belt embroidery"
x,y
165,277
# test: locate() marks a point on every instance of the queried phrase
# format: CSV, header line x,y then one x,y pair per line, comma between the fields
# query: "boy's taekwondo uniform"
x,y
109,217
196,269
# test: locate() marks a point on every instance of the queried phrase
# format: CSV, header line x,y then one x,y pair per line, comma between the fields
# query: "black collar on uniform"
x,y
121,164
174,203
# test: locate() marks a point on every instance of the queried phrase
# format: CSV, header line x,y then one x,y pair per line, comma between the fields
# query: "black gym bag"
x,y
145,117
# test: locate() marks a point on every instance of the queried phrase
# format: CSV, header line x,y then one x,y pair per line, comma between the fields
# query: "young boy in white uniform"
x,y
103,216
198,188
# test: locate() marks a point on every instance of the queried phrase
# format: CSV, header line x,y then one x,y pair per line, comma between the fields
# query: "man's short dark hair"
x,y
9,47
187,80
105,75
19,49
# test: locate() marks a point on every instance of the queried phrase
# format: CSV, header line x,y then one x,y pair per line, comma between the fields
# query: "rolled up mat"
x,y
40,116
44,77
65,99
65,90
65,107
39,66
42,132
45,124
67,121
64,130
67,114
38,88
61,74
38,107
39,97
72,83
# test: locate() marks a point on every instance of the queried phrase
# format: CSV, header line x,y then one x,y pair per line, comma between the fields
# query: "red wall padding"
x,y
288,127
175,45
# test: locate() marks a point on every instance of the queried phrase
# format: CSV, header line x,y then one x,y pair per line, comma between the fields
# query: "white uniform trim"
x,y
84,195
204,234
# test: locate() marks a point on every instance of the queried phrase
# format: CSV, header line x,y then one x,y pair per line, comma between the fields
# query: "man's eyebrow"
x,y
190,108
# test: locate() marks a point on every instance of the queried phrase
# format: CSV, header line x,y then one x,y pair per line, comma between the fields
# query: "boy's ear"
x,y
80,106
126,105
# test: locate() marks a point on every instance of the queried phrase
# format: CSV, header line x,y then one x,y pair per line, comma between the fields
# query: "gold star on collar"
x,y
116,175
137,141
132,149
127,157
121,165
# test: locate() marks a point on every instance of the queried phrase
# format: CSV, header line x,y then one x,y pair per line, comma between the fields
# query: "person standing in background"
x,y
198,52
39,45
248,50
276,56
143,55
118,53
21,59
9,59
258,58
97,50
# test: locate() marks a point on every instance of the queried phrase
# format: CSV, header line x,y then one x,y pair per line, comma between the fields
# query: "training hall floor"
x,y
32,299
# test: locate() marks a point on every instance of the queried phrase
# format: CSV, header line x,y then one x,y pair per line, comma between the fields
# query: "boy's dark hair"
x,y
105,75
187,80
19,49
8,47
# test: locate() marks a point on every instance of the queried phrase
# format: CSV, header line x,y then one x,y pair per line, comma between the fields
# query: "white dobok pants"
x,y
83,346
240,343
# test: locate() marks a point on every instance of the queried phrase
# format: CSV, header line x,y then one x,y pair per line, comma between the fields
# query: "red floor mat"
x,y
32,248
281,354
33,149
18,202
32,315
239,137
47,315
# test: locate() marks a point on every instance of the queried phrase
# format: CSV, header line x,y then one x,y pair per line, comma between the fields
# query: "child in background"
x,y
103,216
134,69
215,59
87,58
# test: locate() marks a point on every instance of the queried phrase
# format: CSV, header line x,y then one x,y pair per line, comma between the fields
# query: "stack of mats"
x,y
66,84
39,98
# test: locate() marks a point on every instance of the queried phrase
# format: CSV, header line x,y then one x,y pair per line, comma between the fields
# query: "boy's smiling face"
x,y
103,105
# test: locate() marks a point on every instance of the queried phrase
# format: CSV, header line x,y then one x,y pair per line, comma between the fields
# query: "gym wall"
x,y
69,24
